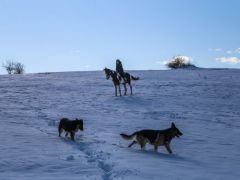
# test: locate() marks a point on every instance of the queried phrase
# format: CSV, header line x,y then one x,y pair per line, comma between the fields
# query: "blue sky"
x,y
72,35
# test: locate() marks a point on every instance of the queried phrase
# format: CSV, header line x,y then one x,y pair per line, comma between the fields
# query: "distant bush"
x,y
13,67
18,68
9,66
180,62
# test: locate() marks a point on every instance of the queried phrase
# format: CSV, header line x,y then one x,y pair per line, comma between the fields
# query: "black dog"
x,y
70,126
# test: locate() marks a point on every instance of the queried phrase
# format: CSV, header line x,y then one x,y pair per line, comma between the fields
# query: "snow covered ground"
x,y
204,104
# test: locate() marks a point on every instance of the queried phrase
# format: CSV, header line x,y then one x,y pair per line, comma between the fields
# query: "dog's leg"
x,y
66,134
155,147
72,135
141,141
60,131
130,145
168,148
142,145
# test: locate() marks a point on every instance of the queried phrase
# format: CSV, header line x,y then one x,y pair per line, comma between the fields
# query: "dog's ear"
x,y
173,125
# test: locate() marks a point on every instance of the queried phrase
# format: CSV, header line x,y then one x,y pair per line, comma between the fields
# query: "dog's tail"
x,y
128,137
134,78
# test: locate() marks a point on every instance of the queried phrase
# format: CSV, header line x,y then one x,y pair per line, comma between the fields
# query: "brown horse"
x,y
118,80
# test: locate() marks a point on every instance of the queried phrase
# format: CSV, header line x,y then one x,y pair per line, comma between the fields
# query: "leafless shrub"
x,y
9,66
18,68
179,62
13,67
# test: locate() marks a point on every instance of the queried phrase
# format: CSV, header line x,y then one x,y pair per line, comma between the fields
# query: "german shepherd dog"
x,y
154,137
70,126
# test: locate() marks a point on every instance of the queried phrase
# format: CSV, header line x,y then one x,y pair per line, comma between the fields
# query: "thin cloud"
x,y
86,66
77,51
187,59
215,49
230,60
162,62
229,52
237,50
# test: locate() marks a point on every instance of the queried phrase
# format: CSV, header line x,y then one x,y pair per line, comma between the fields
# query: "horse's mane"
x,y
107,69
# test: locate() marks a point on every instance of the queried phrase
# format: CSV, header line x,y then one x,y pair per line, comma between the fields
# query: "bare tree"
x,y
13,67
9,66
179,62
18,68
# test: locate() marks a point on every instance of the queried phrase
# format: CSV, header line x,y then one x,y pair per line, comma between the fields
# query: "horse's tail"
x,y
134,78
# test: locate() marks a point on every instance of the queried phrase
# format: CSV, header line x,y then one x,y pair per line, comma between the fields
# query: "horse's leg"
x,y
120,90
115,90
125,88
129,82
130,88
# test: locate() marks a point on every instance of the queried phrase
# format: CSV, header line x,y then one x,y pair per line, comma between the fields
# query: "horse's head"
x,y
107,73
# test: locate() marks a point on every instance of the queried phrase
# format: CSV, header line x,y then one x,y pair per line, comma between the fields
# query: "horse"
x,y
118,80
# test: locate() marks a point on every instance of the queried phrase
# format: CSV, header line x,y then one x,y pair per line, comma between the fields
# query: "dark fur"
x,y
154,137
117,80
70,126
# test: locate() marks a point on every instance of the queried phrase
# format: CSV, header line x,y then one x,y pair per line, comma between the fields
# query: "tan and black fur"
x,y
70,126
154,137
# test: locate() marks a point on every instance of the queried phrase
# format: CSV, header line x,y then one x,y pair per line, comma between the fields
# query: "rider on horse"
x,y
119,69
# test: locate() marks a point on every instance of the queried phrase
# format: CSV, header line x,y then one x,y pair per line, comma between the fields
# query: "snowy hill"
x,y
204,104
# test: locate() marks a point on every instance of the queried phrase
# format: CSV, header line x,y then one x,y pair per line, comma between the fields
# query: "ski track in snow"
x,y
203,103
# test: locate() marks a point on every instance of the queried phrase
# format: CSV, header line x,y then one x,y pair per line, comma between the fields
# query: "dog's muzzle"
x,y
179,134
